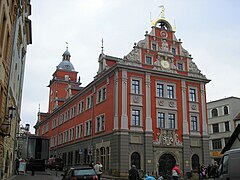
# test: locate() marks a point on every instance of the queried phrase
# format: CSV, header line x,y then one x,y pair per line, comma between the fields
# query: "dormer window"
x,y
148,60
180,66
154,46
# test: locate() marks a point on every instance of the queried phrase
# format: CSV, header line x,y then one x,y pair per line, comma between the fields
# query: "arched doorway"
x,y
135,159
166,163
195,162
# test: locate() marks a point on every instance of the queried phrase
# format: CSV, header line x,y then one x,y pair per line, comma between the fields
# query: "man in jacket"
x,y
133,173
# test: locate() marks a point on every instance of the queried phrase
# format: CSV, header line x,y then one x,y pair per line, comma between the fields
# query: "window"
x,y
161,120
80,107
171,121
65,136
180,66
173,50
227,127
160,90
224,169
225,110
79,131
194,123
71,132
100,123
214,112
148,60
135,117
215,128
170,91
88,128
101,95
217,144
154,46
192,93
89,102
135,86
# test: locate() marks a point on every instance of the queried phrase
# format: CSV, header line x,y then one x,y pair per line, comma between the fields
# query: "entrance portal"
x,y
166,163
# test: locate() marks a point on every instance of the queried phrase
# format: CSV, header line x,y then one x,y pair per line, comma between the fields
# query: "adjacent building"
x,y
147,108
222,121
15,35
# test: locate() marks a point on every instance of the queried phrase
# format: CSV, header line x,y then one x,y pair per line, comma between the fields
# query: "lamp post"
x,y
5,131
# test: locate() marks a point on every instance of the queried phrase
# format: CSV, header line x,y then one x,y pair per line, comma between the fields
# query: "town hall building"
x,y
147,108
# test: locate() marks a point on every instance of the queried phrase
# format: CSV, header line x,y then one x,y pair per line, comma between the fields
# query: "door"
x,y
166,163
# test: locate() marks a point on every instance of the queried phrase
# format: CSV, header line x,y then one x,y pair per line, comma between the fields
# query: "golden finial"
x,y
162,14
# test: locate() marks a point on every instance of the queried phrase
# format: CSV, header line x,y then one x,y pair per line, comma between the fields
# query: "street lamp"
x,y
6,122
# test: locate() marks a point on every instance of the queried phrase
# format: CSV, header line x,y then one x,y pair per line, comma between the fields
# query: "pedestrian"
x,y
98,169
133,173
17,165
31,164
91,164
176,172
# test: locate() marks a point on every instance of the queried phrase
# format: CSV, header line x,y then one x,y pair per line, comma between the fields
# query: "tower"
x,y
64,83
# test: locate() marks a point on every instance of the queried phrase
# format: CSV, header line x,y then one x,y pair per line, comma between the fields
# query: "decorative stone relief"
x,y
164,45
171,104
134,55
194,107
161,102
142,44
136,99
167,137
193,70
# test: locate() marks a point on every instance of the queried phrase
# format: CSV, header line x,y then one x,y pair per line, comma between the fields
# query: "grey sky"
x,y
209,30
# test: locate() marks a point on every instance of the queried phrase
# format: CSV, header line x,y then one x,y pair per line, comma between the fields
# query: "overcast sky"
x,y
209,30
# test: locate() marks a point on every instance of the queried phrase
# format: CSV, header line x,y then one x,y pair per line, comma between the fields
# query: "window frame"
x,y
194,123
135,117
171,121
161,120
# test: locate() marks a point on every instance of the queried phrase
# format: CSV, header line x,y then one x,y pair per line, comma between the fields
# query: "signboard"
x,y
216,153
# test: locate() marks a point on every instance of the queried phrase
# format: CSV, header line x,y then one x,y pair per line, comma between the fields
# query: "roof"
x,y
233,137
237,117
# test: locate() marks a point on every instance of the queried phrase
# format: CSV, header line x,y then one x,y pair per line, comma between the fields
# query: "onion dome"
x,y
66,64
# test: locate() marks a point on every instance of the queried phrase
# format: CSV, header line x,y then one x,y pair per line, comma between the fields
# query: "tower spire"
x,y
102,46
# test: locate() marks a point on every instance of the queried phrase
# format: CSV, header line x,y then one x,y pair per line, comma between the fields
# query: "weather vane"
x,y
102,46
67,45
162,14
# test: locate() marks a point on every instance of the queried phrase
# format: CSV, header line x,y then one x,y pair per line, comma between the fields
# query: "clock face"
x,y
165,64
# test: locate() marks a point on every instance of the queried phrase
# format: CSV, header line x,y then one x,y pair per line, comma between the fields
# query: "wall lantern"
x,y
5,126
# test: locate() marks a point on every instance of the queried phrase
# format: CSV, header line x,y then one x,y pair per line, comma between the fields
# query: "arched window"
x,y
214,112
195,162
135,159
225,110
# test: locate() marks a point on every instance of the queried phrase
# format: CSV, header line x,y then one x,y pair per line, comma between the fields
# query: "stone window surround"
x,y
166,112
100,116
140,83
196,93
141,117
101,91
165,84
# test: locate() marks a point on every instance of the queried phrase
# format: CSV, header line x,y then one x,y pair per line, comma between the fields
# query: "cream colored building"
x,y
221,124
15,35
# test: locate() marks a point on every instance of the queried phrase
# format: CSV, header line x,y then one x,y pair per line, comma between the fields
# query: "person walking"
x,y
176,172
133,173
98,169
17,165
31,164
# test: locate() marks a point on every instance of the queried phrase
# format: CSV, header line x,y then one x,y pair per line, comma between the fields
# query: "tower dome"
x,y
66,64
